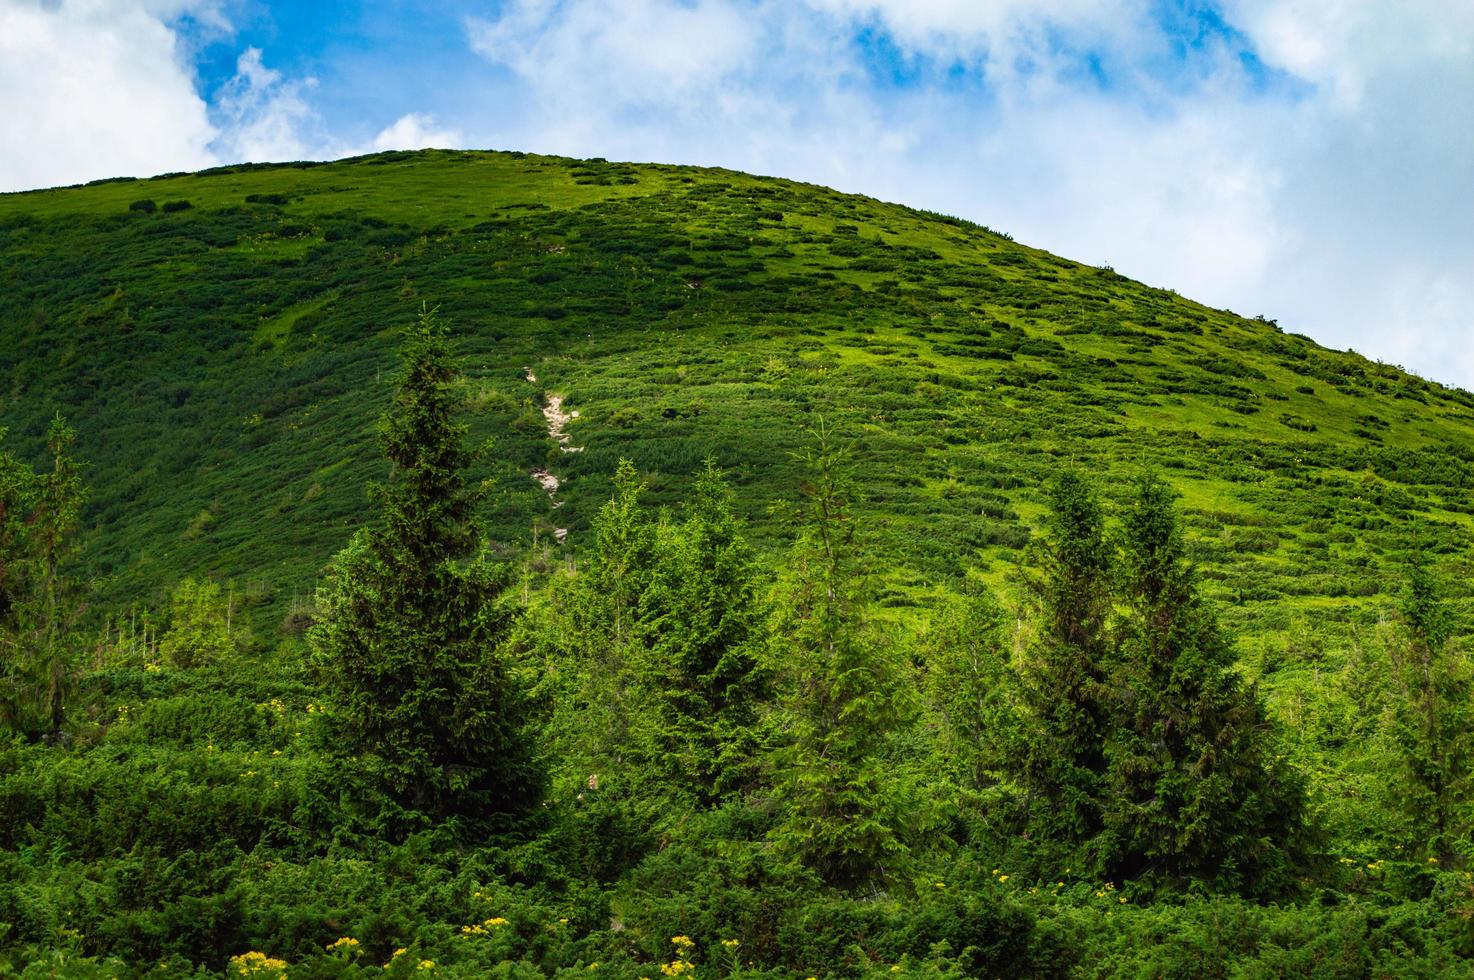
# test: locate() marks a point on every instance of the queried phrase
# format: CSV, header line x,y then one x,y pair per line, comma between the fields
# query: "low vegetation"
x,y
925,605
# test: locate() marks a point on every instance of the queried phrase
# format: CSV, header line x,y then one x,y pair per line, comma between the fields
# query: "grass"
x,y
217,358
225,364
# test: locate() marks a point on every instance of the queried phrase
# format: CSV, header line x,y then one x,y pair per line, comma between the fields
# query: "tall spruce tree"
x,y
1194,790
1064,676
969,689
700,680
843,692
1431,722
413,613
607,620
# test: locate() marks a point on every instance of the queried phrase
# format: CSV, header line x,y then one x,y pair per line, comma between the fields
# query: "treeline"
x,y
681,739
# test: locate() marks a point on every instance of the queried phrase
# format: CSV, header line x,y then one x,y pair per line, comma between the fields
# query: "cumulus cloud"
x,y
94,89
416,131
263,115
106,88
639,51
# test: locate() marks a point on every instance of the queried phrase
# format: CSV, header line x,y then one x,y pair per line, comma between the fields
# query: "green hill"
x,y
222,342
225,342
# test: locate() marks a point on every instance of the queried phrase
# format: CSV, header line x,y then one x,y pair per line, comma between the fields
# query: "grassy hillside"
x,y
224,343
224,363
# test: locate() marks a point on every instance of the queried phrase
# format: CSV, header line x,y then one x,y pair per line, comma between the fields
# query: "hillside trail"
x,y
557,419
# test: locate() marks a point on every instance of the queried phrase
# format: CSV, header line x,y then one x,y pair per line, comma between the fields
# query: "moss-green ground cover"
x,y
224,364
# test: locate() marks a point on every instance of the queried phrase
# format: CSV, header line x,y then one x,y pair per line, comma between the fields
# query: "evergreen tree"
x,y
39,515
413,613
1193,788
1432,718
608,624
664,627
970,689
1064,675
843,693
701,684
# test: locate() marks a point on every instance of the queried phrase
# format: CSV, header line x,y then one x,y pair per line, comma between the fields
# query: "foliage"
x,y
199,625
699,685
971,690
1066,674
607,620
38,603
412,619
1194,788
851,754
842,691
1431,721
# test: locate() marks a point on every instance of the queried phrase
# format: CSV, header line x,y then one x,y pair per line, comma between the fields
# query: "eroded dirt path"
x,y
557,419
558,423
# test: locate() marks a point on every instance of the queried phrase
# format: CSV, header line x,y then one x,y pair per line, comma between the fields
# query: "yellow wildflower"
x,y
1002,879
426,965
682,942
347,943
256,963
730,943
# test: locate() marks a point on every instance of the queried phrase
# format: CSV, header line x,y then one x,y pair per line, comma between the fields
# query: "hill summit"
x,y
223,342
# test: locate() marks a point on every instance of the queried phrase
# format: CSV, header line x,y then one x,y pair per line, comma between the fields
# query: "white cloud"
x,y
1343,45
104,88
93,89
416,131
263,115
1008,38
637,51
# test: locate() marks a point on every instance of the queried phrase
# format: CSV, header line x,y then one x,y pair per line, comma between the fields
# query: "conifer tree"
x,y
1065,672
970,689
1432,718
701,683
843,696
413,613
1193,789
607,618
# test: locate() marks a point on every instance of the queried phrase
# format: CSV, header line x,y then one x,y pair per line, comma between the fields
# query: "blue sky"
x,y
1310,161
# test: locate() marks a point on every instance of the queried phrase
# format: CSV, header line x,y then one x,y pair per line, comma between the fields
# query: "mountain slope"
x,y
223,342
